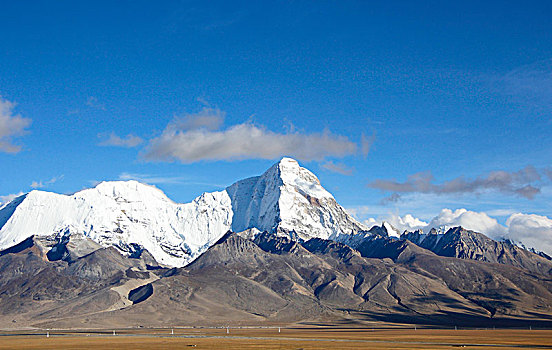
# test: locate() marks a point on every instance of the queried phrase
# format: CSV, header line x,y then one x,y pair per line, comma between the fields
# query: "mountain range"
x,y
275,248
286,200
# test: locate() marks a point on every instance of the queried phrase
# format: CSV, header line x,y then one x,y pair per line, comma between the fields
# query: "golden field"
x,y
288,338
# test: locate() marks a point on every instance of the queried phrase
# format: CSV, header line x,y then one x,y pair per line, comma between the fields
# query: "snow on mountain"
x,y
120,213
287,200
391,231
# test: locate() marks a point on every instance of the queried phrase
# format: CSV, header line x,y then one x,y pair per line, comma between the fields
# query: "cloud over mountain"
x,y
531,229
405,223
198,137
534,231
468,219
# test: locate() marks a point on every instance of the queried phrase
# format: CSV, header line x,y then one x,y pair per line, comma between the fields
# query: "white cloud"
x,y
447,218
11,125
406,223
532,230
194,138
370,222
471,220
40,184
113,140
401,223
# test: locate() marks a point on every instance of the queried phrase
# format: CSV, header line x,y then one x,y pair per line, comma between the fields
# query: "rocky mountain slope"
x,y
465,244
269,280
34,288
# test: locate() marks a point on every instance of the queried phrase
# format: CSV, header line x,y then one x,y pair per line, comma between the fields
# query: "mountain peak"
x,y
288,199
288,161
300,179
391,230
385,230
288,165
458,230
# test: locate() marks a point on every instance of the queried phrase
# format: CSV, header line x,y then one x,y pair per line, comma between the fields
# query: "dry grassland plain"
x,y
288,338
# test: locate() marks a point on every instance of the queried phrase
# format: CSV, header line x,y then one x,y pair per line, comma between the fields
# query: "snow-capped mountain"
x,y
119,214
287,200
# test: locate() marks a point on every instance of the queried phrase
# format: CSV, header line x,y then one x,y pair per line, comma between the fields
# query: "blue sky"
x,y
459,92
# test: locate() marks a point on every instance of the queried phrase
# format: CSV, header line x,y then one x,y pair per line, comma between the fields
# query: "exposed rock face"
x,y
464,244
415,237
269,279
36,289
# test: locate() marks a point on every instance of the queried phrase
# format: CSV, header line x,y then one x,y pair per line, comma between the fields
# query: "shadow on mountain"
x,y
141,293
452,319
271,280
9,209
26,244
